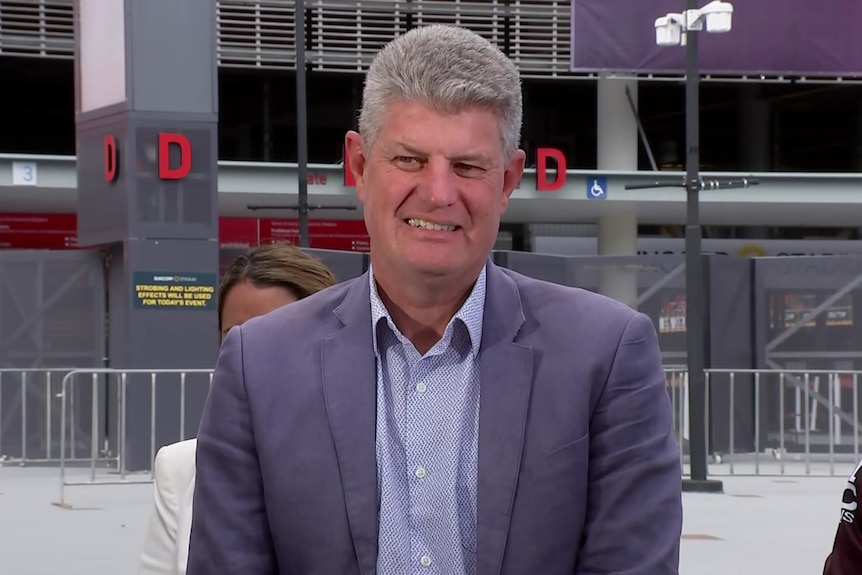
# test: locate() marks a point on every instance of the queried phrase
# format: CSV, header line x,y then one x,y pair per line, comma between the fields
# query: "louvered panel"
x,y
487,18
256,33
346,35
540,36
37,28
342,35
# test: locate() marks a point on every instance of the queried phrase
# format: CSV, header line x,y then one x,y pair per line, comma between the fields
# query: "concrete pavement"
x,y
759,525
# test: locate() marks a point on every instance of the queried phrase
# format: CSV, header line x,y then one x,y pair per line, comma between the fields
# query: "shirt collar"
x,y
471,313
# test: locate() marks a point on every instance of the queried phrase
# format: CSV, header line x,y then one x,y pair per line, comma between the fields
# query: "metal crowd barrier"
x,y
801,422
115,463
29,407
760,422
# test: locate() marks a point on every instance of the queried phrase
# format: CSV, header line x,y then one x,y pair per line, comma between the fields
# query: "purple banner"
x,y
773,37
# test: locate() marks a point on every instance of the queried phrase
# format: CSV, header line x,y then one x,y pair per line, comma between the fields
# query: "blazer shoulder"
x,y
576,303
307,316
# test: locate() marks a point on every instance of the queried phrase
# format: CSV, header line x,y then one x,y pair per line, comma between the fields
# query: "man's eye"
x,y
407,160
467,168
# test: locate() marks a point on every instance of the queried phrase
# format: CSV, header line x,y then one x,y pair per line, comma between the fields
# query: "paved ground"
x,y
759,525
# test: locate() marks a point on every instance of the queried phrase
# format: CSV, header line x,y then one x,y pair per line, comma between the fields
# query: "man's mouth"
x,y
426,225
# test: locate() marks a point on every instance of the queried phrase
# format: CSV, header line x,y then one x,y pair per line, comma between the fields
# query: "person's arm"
x,y
230,531
634,509
157,557
846,555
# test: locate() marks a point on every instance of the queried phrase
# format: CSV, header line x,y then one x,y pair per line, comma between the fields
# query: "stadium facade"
x,y
794,127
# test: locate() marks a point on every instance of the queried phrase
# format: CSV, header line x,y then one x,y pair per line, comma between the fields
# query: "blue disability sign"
x,y
597,188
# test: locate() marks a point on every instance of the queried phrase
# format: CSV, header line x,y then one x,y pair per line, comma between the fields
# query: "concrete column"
x,y
147,152
754,130
755,141
618,235
617,127
857,151
617,151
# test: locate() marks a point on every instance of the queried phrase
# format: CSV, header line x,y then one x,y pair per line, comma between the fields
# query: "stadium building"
x,y
806,132
601,100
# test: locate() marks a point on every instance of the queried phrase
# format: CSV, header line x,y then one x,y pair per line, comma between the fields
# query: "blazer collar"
x,y
350,391
506,368
504,311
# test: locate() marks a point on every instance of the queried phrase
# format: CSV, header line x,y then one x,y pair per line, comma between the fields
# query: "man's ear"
x,y
354,156
512,175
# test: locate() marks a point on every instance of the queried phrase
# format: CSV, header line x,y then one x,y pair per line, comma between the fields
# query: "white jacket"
x,y
166,546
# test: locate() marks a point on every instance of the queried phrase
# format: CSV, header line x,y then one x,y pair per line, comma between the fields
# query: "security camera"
x,y
668,32
718,16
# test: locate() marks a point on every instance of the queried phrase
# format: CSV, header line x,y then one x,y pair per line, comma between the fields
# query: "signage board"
x,y
814,38
174,290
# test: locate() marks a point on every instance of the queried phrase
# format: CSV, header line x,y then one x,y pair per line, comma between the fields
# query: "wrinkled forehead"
x,y
417,126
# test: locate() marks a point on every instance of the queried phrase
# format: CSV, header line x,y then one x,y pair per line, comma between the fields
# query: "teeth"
x,y
416,223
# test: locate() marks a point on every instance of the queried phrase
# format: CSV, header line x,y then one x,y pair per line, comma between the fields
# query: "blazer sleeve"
x,y
634,508
846,555
230,531
159,552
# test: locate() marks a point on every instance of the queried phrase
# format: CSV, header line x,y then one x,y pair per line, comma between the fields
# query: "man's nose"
x,y
439,186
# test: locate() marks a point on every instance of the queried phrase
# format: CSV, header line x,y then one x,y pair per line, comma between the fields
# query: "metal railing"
x,y
29,416
774,422
760,422
115,383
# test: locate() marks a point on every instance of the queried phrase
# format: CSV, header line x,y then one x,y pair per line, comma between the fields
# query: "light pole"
x,y
301,124
673,30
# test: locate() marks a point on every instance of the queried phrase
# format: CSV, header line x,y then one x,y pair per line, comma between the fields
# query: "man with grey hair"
x,y
439,414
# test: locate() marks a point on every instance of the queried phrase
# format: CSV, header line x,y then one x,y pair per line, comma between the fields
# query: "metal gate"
x,y
52,319
809,321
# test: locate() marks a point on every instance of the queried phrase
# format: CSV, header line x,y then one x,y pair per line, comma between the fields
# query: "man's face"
x,y
434,187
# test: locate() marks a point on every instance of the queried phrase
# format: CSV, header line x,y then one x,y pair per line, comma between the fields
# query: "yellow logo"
x,y
751,251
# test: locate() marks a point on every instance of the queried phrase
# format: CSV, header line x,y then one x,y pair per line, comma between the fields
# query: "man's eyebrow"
x,y
473,157
410,149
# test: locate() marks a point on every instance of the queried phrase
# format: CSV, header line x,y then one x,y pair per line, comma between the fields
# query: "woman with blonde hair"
x,y
257,282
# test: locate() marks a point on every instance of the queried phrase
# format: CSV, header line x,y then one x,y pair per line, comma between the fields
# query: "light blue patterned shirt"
x,y
428,443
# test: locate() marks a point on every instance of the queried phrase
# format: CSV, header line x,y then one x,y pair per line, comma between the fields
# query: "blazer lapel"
x,y
506,369
349,385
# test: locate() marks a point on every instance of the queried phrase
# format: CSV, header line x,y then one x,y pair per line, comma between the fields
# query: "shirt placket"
x,y
393,370
419,464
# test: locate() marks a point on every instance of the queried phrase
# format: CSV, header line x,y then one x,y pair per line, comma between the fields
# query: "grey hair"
x,y
449,69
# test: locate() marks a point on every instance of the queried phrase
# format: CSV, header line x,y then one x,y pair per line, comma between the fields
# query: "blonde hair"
x,y
276,265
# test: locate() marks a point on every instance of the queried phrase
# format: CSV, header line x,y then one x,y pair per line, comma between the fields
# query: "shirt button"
x,y
420,472
425,561
421,387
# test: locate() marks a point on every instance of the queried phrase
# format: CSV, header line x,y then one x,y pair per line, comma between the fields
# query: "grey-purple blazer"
x,y
579,470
